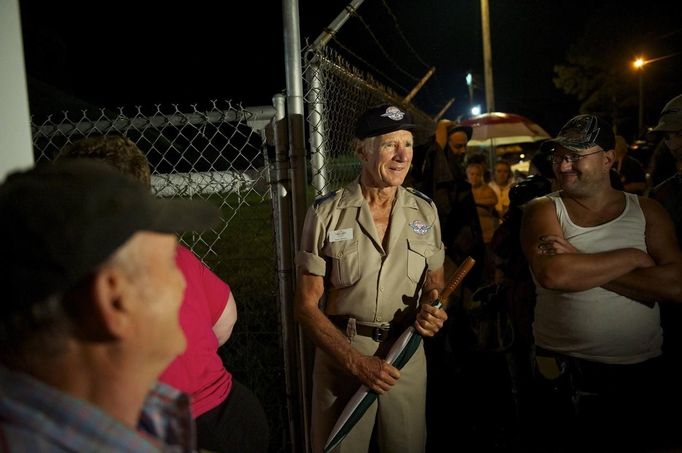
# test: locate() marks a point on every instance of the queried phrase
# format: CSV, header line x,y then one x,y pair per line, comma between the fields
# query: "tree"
x,y
598,68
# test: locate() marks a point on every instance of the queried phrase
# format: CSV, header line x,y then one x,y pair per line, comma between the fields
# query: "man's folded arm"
x,y
663,281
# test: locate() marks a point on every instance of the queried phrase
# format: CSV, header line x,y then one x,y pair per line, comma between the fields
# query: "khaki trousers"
x,y
399,414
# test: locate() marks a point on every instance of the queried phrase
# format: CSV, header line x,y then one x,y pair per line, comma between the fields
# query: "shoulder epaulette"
x,y
322,198
417,193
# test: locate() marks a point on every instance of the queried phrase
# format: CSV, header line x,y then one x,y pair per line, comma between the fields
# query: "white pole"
x,y
487,57
16,149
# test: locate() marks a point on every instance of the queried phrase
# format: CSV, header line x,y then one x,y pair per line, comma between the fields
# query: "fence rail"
x,y
215,154
220,154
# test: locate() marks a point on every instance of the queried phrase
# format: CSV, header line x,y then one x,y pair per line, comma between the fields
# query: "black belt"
x,y
376,333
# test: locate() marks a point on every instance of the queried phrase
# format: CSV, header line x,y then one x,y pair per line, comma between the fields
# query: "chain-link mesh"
x,y
214,154
336,95
217,154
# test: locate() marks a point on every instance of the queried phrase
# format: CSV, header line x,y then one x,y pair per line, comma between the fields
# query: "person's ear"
x,y
111,301
609,158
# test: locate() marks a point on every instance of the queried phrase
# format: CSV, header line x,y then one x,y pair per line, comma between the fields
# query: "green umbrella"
x,y
399,354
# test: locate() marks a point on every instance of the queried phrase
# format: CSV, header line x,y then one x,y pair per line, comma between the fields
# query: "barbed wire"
x,y
434,95
430,91
402,35
368,64
381,47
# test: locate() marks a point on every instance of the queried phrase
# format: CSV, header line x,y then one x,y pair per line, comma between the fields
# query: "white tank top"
x,y
598,324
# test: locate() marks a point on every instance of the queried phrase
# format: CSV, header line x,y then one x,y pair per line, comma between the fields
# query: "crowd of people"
x,y
109,329
563,317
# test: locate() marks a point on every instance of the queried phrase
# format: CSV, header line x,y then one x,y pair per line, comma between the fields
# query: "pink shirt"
x,y
199,371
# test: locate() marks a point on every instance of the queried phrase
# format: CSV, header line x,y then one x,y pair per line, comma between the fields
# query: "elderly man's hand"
x,y
429,318
376,373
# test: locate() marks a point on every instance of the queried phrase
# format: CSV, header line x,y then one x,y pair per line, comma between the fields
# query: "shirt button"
x,y
379,318
381,289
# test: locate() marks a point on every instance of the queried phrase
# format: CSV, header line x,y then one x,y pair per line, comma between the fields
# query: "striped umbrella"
x,y
497,128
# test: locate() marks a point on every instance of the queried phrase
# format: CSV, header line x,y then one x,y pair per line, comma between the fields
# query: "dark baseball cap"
x,y
670,119
583,132
382,119
457,127
60,221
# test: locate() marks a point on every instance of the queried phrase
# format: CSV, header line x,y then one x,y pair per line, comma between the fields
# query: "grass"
x,y
243,255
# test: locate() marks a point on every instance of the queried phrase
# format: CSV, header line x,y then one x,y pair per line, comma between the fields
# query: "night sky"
x,y
130,53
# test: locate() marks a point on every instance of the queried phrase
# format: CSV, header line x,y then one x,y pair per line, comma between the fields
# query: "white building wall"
x,y
16,149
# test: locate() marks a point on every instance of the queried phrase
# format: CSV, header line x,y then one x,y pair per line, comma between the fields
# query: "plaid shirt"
x,y
36,417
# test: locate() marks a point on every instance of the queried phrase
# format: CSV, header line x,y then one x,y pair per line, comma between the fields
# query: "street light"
x,y
639,64
470,84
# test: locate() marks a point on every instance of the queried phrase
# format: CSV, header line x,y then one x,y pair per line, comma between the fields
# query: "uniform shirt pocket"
x,y
345,262
417,253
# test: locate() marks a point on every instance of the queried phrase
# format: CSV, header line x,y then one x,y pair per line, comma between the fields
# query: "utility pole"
x,y
641,103
639,64
487,57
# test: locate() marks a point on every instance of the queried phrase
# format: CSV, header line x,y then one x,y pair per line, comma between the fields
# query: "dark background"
x,y
142,53
81,55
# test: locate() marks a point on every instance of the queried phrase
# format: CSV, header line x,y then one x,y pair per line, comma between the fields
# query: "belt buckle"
x,y
380,333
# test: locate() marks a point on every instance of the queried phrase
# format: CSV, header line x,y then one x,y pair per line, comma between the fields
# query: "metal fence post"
x,y
281,201
299,185
318,153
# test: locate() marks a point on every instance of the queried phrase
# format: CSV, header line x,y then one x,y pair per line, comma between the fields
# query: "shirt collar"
x,y
77,425
352,197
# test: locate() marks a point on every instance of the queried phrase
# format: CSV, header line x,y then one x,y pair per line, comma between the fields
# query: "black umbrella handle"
x,y
455,280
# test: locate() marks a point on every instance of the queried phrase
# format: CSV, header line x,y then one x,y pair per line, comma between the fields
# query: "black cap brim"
x,y
387,130
68,218
181,215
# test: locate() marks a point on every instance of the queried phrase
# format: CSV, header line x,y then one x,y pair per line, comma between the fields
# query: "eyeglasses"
x,y
570,158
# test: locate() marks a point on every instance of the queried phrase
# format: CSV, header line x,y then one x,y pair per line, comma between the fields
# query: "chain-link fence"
x,y
216,154
336,95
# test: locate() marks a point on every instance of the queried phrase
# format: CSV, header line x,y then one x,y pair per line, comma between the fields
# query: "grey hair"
x,y
368,144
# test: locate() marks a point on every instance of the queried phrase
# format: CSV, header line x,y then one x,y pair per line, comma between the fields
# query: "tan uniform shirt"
x,y
372,285
364,281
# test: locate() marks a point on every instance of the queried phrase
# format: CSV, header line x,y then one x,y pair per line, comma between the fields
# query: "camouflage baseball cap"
x,y
582,132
